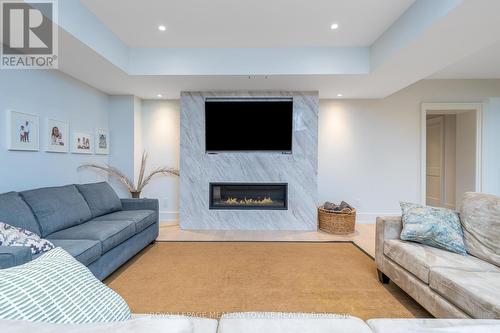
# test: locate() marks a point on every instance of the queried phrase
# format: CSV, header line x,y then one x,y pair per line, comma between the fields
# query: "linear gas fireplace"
x,y
248,196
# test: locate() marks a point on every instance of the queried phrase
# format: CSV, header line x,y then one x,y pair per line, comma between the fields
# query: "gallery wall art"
x,y
22,131
82,143
102,141
57,136
23,134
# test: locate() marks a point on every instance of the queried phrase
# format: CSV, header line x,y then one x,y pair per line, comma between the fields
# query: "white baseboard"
x,y
371,218
169,217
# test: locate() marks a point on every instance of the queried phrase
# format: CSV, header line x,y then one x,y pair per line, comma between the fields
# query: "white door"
x,y
435,156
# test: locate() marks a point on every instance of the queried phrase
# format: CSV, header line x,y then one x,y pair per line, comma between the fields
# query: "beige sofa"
x,y
448,285
261,322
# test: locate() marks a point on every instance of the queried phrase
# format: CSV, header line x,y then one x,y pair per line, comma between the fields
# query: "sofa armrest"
x,y
388,227
14,256
139,204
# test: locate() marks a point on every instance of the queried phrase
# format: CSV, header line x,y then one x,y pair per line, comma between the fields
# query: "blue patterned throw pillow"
x,y
436,227
13,236
55,288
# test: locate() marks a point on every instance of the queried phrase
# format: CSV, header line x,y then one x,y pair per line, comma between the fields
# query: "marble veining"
x,y
298,169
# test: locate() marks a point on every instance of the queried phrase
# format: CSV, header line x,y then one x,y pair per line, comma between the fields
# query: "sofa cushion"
x,y
15,211
56,288
476,293
198,324
275,322
399,325
141,325
14,256
101,198
85,251
419,259
109,233
480,215
57,208
141,218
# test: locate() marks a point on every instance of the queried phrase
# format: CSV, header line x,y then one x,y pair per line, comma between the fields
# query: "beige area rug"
x,y
211,278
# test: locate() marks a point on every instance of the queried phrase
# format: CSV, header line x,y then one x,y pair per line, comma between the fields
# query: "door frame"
x,y
443,109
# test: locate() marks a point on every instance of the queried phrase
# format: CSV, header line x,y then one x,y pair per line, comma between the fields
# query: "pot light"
x,y
161,27
159,95
334,26
339,95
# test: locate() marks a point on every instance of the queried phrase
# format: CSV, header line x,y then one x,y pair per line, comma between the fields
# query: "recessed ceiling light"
x,y
161,27
339,95
334,26
159,95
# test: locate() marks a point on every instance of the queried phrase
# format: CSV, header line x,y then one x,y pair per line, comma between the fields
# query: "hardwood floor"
x,y
364,236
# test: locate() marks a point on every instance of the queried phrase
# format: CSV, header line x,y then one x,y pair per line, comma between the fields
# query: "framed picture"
x,y
57,136
102,141
22,131
82,143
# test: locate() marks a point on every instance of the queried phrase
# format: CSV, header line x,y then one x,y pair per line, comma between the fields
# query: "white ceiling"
x,y
430,40
484,64
247,23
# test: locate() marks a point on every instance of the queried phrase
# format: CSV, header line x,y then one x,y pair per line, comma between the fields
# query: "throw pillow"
x,y
13,236
480,215
436,227
56,288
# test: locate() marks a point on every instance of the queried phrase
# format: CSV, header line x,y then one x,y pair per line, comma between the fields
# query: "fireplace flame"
x,y
249,202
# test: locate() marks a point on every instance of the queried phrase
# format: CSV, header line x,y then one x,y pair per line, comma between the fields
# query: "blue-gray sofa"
x,y
89,221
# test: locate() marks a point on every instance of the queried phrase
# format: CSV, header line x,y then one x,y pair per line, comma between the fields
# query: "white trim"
x,y
450,108
169,217
371,218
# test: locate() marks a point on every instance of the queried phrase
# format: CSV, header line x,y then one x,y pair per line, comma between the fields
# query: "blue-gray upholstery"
x,y
62,214
14,255
119,255
109,233
57,208
15,211
101,198
141,218
134,204
84,250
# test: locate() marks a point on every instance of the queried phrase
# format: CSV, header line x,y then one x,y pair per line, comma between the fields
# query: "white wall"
x,y
138,149
161,139
369,154
125,137
369,150
58,96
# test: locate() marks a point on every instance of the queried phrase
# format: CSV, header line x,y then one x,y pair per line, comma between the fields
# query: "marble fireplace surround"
x,y
298,169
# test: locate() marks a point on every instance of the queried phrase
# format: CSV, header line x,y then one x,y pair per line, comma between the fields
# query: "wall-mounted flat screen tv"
x,y
246,125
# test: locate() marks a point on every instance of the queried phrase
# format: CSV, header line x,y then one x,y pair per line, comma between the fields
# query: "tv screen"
x,y
248,125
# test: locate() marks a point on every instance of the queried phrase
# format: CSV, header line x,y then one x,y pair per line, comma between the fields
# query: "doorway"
x,y
451,152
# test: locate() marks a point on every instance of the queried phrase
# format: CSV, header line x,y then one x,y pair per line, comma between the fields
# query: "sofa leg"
x,y
382,277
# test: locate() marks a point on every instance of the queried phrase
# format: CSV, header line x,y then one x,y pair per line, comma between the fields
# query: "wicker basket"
x,y
336,222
